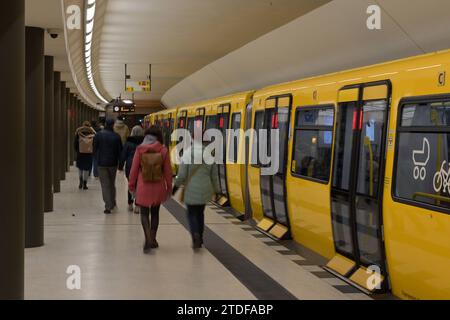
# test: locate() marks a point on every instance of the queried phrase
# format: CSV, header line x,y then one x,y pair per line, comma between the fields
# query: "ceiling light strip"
x,y
90,17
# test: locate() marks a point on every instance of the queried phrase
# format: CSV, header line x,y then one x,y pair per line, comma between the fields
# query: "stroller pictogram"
x,y
420,159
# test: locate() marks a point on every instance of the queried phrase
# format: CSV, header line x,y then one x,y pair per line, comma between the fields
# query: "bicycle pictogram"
x,y
420,159
441,179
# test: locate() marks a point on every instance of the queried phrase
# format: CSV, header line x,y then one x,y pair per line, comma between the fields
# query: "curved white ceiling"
x,y
46,14
331,38
178,37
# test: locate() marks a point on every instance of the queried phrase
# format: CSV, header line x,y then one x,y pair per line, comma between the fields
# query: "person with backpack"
x,y
201,182
108,147
126,159
151,182
83,144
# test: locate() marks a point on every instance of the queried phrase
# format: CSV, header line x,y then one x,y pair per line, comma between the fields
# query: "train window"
x,y
371,157
181,122
423,154
426,114
258,125
235,125
190,125
211,122
313,141
167,131
344,145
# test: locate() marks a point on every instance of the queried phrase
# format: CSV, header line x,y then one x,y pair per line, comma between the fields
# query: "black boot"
x,y
153,243
81,184
147,247
85,187
196,241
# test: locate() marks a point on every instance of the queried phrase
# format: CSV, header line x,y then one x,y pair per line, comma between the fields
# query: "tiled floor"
x,y
238,262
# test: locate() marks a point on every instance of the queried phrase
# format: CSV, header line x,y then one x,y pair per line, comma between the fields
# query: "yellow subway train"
x,y
364,169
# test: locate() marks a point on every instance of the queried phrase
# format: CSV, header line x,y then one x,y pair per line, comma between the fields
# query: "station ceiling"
x,y
179,37
47,14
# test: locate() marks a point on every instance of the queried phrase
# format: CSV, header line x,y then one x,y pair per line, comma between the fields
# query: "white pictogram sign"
x,y
441,180
420,159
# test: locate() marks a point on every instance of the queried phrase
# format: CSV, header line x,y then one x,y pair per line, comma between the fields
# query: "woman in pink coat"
x,y
150,195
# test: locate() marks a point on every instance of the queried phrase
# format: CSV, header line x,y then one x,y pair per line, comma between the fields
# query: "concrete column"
x,y
49,134
57,134
78,115
34,104
83,112
73,120
68,128
12,183
63,120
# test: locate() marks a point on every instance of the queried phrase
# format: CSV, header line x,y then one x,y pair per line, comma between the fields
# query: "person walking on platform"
x,y
97,129
129,149
83,144
151,181
108,147
201,182
122,130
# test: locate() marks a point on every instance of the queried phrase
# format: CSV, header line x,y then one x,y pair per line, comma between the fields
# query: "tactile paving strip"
x,y
303,262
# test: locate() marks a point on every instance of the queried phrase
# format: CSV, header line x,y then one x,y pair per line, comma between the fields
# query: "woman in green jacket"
x,y
202,183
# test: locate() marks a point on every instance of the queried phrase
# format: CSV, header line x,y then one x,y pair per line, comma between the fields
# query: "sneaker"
x,y
130,208
137,209
107,211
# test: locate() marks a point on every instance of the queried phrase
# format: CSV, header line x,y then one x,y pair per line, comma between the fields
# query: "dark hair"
x,y
156,132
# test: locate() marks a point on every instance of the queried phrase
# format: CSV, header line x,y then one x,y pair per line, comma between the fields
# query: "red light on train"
x,y
275,121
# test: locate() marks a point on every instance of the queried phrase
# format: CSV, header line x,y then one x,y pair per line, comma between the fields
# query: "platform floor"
x,y
238,262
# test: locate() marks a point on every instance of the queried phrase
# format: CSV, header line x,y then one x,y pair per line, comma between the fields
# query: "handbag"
x,y
183,188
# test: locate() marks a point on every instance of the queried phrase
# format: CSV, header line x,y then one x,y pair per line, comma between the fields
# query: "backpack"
x,y
152,166
86,143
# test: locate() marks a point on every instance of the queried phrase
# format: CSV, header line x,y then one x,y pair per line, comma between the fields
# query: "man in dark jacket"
x,y
129,149
108,147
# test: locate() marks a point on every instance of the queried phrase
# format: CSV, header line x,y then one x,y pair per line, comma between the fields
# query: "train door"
x,y
273,187
357,185
223,117
200,119
167,129
182,124
191,125
248,126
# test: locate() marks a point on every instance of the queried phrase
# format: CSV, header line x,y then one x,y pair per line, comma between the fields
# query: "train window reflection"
x,y
370,158
426,114
313,143
258,125
423,154
235,125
